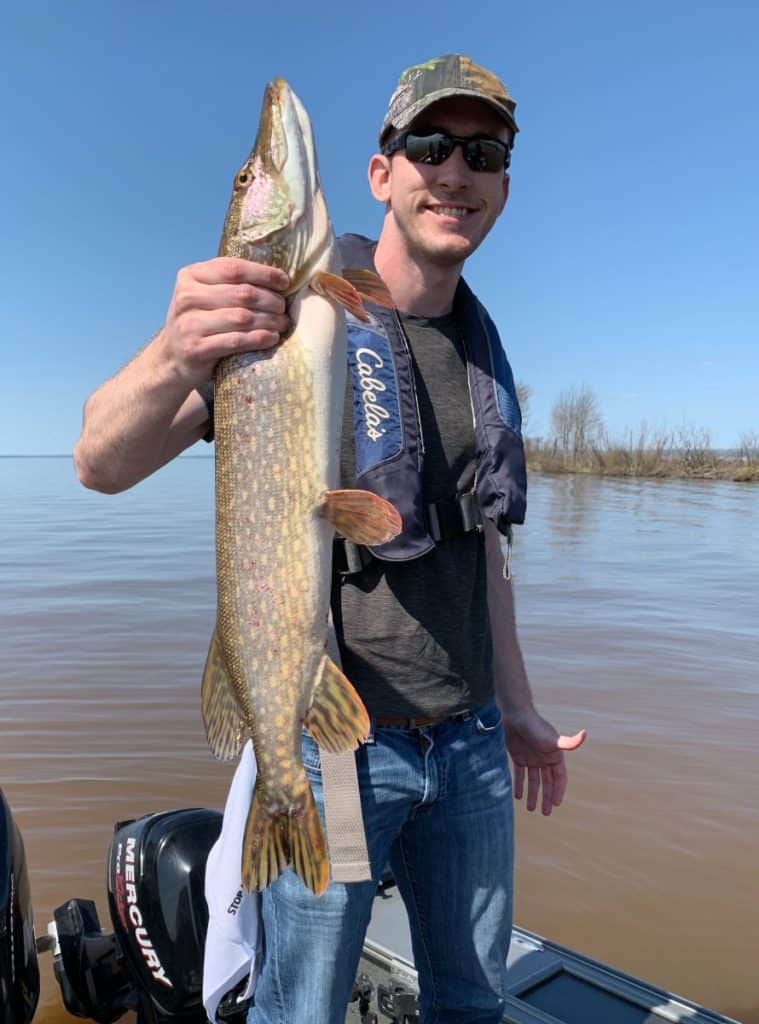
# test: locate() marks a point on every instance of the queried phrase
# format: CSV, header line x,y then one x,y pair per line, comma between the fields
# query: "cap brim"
x,y
412,112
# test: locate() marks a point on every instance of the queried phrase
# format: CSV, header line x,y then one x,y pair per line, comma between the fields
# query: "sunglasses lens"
x,y
428,149
485,155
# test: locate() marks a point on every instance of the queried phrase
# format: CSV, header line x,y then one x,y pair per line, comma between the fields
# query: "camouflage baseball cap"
x,y
452,75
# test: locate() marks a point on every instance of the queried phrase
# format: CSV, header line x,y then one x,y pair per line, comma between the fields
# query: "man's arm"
x,y
150,412
135,423
536,748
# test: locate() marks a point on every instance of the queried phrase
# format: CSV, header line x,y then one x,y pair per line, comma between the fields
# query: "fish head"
x,y
277,214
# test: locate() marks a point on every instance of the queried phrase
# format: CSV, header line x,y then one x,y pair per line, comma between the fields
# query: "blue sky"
x,y
627,257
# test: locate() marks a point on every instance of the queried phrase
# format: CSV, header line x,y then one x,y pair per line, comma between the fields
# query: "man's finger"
x,y
518,781
559,783
546,778
231,270
229,296
533,788
572,742
221,345
225,321
207,323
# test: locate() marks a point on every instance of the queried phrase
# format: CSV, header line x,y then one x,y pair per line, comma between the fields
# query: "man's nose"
x,y
454,172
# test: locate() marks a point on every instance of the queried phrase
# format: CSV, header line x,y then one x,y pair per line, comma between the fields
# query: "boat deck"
x,y
547,983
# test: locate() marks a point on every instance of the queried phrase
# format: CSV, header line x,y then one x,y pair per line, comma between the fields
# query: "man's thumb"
x,y
572,742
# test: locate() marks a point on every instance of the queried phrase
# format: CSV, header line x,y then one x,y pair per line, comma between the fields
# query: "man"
x,y
412,618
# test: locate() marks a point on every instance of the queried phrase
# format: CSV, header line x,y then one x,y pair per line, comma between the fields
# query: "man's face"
x,y
443,212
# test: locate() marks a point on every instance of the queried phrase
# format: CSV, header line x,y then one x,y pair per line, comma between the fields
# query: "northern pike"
x,y
278,417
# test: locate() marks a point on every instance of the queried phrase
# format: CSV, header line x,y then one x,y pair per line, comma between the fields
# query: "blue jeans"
x,y
437,808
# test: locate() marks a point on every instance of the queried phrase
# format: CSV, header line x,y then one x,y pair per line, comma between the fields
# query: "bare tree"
x,y
694,448
576,422
749,447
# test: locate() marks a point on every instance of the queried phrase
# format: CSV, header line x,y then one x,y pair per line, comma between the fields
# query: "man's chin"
x,y
445,248
450,252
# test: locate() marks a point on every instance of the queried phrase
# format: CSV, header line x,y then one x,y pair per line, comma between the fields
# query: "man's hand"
x,y
219,307
535,746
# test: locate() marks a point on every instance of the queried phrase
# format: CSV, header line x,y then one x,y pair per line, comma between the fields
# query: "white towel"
x,y
233,942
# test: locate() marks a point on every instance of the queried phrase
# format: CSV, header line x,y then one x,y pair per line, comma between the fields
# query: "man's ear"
x,y
379,174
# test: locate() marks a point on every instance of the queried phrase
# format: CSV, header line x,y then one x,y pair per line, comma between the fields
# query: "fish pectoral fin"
x,y
331,286
370,286
361,516
337,718
225,725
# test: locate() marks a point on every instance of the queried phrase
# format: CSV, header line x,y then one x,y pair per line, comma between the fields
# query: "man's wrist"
x,y
168,373
514,701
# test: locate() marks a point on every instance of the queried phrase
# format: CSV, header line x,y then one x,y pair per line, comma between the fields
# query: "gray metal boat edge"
x,y
547,983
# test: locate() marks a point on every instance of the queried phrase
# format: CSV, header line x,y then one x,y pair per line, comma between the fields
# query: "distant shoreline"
x,y
619,463
717,467
69,456
741,475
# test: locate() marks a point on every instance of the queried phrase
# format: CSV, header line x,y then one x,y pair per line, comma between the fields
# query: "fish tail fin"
x,y
337,718
308,846
275,837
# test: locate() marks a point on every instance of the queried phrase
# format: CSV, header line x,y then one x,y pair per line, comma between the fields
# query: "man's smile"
x,y
458,211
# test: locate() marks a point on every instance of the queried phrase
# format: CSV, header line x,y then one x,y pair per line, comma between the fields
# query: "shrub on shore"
x,y
579,443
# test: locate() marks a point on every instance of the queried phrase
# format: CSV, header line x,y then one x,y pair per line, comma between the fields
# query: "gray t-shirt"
x,y
415,636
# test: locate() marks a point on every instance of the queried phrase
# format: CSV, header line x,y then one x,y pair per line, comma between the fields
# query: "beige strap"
x,y
342,806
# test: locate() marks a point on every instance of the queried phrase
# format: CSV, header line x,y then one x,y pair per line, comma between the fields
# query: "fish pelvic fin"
x,y
334,287
370,287
337,718
276,837
222,718
362,517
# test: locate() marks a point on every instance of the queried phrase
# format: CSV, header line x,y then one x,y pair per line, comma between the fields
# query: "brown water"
x,y
638,605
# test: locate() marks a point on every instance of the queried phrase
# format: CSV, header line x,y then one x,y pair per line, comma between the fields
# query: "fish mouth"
x,y
284,149
277,213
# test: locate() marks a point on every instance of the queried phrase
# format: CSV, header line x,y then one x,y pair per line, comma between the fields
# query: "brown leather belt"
x,y
397,722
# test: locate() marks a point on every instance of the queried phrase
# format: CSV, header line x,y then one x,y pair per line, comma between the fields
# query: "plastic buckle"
x,y
398,1003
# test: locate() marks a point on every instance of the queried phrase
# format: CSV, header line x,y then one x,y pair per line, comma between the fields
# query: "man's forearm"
x,y
512,687
150,411
127,421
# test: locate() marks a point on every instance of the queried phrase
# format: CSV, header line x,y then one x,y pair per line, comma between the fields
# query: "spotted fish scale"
x,y
273,597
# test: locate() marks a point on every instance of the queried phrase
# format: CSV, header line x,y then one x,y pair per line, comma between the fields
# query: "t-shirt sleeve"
x,y
206,393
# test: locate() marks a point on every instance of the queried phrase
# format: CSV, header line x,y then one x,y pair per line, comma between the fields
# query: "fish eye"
x,y
243,178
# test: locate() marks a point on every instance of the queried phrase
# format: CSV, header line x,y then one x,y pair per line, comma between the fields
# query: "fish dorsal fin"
x,y
370,286
331,286
337,718
225,725
361,516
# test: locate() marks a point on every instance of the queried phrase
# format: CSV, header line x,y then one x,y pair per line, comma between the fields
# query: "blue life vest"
x,y
386,428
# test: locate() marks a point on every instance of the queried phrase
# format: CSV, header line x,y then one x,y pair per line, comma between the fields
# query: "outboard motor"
x,y
19,972
153,961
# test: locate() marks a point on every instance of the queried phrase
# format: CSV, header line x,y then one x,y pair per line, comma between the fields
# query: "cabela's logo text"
x,y
367,363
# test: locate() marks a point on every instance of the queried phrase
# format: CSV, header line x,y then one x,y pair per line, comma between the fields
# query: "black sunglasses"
x,y
481,153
